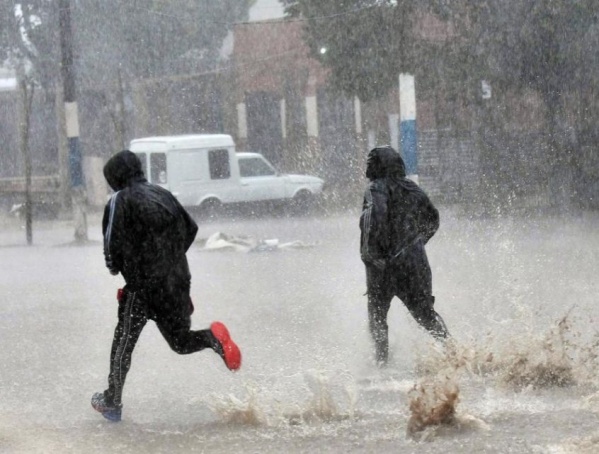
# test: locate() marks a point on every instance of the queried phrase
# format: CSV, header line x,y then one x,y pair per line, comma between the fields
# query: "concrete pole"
x,y
242,126
63,151
360,143
311,160
394,130
283,113
78,193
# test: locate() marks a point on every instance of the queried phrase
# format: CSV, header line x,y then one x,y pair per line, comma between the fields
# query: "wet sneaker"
x,y
110,412
226,348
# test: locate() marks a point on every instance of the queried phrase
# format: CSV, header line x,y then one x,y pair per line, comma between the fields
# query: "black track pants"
x,y
411,281
173,321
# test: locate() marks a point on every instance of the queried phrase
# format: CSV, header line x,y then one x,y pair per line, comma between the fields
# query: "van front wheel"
x,y
302,203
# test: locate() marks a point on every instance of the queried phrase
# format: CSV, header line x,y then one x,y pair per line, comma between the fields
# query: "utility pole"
x,y
78,193
407,125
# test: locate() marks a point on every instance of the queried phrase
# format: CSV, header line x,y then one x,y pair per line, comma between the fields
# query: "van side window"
x,y
218,162
144,163
158,168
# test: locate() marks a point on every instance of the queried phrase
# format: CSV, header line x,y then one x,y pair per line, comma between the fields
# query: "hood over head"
x,y
123,168
384,161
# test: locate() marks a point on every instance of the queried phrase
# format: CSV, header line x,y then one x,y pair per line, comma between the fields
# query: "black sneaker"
x,y
110,412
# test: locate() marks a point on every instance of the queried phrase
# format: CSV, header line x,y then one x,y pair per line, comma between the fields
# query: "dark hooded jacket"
x,y
396,213
146,230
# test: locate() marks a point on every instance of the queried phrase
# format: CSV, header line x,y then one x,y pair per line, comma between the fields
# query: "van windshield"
x,y
254,167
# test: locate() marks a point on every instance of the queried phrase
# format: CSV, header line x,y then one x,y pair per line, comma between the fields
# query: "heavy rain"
x,y
259,116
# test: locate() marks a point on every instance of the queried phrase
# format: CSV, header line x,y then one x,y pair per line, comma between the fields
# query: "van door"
x,y
188,175
223,175
260,180
198,174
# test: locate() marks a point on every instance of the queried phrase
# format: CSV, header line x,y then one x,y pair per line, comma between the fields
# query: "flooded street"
x,y
518,295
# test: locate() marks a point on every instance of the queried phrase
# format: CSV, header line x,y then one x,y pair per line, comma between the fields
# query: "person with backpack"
x,y
397,221
146,236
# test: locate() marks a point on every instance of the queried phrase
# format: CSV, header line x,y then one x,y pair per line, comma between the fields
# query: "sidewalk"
x,y
54,232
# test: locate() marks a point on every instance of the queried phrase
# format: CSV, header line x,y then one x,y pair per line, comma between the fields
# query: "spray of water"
x,y
323,405
542,362
589,445
434,399
432,403
559,357
236,411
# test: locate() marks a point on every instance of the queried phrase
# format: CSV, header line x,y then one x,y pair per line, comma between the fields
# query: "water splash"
x,y
589,445
560,357
322,407
434,400
432,403
542,362
240,412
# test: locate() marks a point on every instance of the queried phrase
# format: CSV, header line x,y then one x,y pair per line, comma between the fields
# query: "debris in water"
x,y
223,242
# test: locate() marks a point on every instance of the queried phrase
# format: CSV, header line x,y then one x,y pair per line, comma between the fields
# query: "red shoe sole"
x,y
232,354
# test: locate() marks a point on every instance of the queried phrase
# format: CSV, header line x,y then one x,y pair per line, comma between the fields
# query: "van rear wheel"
x,y
211,209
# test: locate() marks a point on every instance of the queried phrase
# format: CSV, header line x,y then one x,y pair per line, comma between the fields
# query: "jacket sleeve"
x,y
191,229
428,218
189,226
113,230
374,242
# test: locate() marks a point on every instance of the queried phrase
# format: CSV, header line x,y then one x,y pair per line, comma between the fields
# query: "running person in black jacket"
x,y
146,235
397,221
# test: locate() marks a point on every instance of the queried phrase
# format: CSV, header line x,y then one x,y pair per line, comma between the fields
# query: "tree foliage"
x,y
153,38
514,43
364,43
141,38
26,38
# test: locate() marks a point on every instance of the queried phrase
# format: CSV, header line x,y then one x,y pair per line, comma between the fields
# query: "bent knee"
x,y
179,346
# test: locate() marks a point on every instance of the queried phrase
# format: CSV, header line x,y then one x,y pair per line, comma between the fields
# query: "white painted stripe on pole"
x,y
358,114
371,139
72,119
283,119
242,123
311,116
407,97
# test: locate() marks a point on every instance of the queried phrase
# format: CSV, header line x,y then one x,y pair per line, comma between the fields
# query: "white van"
x,y
204,170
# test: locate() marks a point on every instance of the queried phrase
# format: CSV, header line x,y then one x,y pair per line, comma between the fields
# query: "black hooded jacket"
x,y
396,213
146,230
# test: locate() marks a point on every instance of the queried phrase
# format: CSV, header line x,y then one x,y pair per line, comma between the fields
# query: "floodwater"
x,y
519,295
